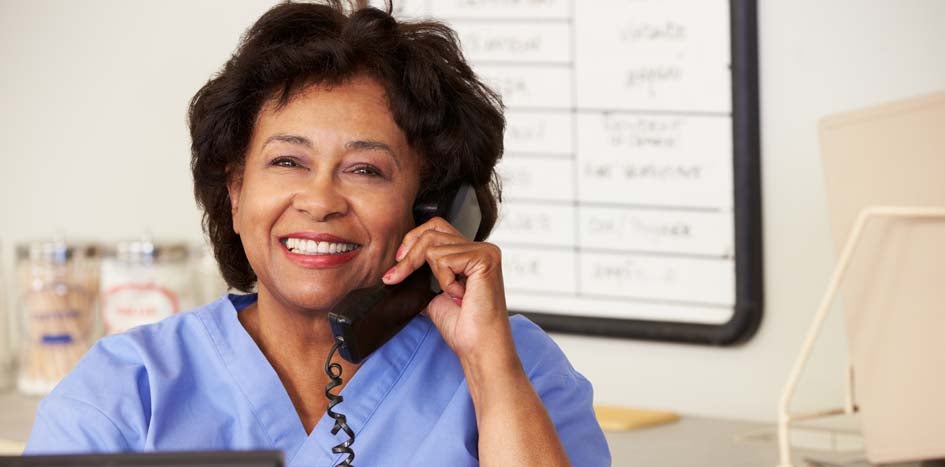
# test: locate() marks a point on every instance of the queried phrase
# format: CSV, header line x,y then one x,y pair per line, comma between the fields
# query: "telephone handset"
x,y
366,318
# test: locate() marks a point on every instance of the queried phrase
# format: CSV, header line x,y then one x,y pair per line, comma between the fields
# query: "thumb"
x,y
442,310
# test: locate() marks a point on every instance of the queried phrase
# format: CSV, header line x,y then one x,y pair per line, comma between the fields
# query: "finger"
x,y
437,224
417,256
452,264
455,290
449,282
441,265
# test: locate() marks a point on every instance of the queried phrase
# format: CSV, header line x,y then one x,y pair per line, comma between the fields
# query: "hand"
x,y
514,427
470,313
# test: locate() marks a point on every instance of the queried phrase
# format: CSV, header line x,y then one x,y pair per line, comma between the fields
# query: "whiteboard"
x,y
631,193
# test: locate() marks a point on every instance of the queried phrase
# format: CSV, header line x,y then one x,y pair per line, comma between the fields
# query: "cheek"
x,y
390,222
258,209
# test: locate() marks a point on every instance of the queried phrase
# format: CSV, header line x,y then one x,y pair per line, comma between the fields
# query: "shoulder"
x,y
131,355
110,389
567,395
539,354
147,346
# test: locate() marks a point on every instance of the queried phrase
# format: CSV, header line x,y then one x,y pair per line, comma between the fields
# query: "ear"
x,y
234,186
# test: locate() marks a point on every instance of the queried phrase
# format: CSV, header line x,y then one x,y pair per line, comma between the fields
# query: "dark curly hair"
x,y
448,115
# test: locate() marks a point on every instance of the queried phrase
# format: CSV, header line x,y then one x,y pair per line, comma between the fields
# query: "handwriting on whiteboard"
x,y
537,43
616,228
619,275
657,231
540,133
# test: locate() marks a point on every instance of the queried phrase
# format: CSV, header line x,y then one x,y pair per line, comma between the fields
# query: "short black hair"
x,y
449,117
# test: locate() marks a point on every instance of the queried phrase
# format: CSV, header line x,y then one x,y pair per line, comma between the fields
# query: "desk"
x,y
16,416
692,441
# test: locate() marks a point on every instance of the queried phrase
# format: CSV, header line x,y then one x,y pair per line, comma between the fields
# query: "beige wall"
x,y
93,141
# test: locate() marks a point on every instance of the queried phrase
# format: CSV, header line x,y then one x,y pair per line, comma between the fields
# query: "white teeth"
x,y
311,247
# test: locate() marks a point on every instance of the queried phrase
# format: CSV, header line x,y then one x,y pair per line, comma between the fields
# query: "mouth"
x,y
322,245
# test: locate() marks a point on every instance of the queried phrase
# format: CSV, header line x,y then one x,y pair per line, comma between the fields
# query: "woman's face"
x,y
326,194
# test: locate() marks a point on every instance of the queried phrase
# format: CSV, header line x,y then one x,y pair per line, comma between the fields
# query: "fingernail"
x,y
389,274
400,253
457,301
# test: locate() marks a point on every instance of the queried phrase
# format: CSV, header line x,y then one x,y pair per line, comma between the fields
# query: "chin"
x,y
310,295
316,303
316,299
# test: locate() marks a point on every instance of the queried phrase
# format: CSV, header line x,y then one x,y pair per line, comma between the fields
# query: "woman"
x,y
310,149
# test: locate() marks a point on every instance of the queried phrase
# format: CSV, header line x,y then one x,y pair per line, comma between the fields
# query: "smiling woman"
x,y
310,150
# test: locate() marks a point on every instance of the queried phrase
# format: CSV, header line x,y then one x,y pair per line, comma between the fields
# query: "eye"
x,y
366,169
285,161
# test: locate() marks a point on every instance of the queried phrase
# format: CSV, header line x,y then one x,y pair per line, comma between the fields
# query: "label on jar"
x,y
128,305
56,303
137,294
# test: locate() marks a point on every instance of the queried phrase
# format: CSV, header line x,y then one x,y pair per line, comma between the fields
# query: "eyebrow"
x,y
362,145
291,139
371,145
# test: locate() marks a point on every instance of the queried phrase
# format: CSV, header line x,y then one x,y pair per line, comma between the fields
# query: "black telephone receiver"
x,y
366,318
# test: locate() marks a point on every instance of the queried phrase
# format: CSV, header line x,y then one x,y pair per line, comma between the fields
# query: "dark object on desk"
x,y
865,463
822,463
162,459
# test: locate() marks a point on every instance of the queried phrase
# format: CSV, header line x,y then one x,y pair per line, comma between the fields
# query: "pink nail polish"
x,y
389,274
400,253
457,301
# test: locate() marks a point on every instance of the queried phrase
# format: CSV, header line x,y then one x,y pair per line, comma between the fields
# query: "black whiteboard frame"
x,y
749,283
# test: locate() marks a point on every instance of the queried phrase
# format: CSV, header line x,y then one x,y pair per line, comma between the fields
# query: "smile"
x,y
302,246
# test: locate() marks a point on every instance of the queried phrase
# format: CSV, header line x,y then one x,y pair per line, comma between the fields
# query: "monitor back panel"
x,y
164,459
894,291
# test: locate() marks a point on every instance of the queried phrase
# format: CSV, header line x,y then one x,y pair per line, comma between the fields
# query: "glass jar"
x,y
207,277
58,284
7,359
144,282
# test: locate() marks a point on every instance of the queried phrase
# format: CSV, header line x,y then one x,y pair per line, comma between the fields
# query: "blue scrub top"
x,y
197,381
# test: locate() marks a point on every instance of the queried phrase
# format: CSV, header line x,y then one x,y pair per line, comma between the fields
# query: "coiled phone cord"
x,y
333,370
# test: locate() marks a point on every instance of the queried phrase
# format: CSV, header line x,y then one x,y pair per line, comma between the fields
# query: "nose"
x,y
321,198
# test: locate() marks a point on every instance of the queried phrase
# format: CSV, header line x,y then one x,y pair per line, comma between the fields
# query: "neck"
x,y
282,330
296,343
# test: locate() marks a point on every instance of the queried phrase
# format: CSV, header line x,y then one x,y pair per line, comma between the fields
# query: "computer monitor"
x,y
162,459
893,294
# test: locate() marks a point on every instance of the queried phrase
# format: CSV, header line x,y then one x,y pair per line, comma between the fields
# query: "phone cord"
x,y
333,370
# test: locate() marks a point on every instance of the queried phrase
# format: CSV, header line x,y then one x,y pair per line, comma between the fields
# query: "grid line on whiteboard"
x,y
623,298
539,155
625,110
500,19
660,254
575,199
654,207
535,64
